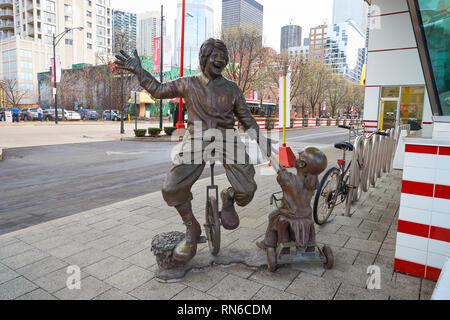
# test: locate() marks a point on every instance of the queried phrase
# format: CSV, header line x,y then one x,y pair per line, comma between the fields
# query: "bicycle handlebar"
x,y
382,133
347,127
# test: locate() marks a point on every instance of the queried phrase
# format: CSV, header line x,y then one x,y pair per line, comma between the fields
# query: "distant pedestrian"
x,y
15,112
40,113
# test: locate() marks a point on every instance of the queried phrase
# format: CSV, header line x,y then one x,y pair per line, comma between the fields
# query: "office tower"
x,y
291,36
306,42
149,28
355,10
124,31
242,14
199,26
26,33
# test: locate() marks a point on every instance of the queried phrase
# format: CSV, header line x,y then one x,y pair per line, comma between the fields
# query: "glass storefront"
x,y
436,27
401,105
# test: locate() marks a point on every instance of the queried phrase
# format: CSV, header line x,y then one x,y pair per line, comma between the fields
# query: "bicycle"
x,y
341,184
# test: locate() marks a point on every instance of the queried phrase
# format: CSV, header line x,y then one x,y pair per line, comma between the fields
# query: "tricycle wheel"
x,y
212,226
271,259
329,256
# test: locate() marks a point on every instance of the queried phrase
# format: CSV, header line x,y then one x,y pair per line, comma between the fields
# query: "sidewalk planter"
x,y
154,132
140,132
169,130
270,124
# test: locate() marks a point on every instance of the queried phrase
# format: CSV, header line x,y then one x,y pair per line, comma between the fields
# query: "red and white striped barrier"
x,y
298,123
423,239
333,123
312,123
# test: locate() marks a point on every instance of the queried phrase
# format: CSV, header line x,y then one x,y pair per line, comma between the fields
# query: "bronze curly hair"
x,y
208,47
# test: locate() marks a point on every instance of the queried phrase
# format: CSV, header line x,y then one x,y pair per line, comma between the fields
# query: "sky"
x,y
277,13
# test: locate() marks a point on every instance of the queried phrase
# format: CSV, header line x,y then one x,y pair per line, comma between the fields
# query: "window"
x,y
27,87
101,31
436,28
50,5
50,17
26,65
67,18
26,76
89,46
89,3
101,20
100,10
67,8
89,35
69,41
101,41
411,104
89,13
26,53
9,54
49,29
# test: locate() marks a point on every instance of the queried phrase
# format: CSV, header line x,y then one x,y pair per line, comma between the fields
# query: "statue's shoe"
x,y
228,216
187,249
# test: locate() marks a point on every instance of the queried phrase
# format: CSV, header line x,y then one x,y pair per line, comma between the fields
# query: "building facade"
x,y
26,33
126,24
199,26
408,82
149,28
242,14
317,41
291,36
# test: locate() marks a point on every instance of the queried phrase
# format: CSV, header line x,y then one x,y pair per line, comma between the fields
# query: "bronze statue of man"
x,y
214,102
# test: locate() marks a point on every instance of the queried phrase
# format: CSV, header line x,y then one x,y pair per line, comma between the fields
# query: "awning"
x,y
143,97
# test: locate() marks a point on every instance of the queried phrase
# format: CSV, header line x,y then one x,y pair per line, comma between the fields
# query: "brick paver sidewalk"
x,y
111,246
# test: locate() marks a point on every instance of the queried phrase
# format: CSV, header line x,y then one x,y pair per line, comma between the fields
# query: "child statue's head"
x,y
312,161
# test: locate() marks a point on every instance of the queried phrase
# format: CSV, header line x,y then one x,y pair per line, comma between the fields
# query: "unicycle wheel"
x,y
212,226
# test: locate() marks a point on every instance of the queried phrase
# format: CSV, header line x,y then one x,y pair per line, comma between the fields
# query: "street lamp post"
x,y
180,124
56,40
161,68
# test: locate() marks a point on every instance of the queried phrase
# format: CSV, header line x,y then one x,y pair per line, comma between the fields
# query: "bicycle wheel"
x,y
326,196
212,226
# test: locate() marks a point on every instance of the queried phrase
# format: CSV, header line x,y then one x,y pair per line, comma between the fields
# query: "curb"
x,y
151,139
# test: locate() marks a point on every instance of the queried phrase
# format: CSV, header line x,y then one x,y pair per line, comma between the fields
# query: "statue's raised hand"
x,y
131,64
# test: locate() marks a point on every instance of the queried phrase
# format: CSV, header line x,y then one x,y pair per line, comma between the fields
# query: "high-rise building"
x,y
199,26
340,45
306,42
345,49
291,36
242,14
356,10
26,35
149,28
124,31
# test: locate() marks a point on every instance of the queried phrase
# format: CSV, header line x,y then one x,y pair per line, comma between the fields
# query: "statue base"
x,y
162,247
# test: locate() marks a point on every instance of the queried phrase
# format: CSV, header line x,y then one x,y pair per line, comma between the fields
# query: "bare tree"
x,y
14,95
337,92
246,56
316,83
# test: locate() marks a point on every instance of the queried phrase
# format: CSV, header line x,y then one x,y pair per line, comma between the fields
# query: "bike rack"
x,y
375,155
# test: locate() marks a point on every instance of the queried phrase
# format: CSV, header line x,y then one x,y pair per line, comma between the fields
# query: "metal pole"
x,y
180,124
54,72
135,110
161,69
110,99
284,111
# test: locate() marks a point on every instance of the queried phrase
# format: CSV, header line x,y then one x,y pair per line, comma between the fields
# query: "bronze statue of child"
x,y
293,221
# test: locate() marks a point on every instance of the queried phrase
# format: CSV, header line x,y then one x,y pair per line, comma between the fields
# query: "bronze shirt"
x,y
214,103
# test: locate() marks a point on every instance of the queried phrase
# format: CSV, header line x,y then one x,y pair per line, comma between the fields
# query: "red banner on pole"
x,y
157,55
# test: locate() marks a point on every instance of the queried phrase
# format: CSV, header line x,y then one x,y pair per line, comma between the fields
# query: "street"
x,y
43,183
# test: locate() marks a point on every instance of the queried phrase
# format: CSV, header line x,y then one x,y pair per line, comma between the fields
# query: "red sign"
x,y
157,55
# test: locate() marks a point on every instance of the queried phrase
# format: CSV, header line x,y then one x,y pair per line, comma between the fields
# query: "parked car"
x,y
49,114
28,114
71,115
87,114
114,115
